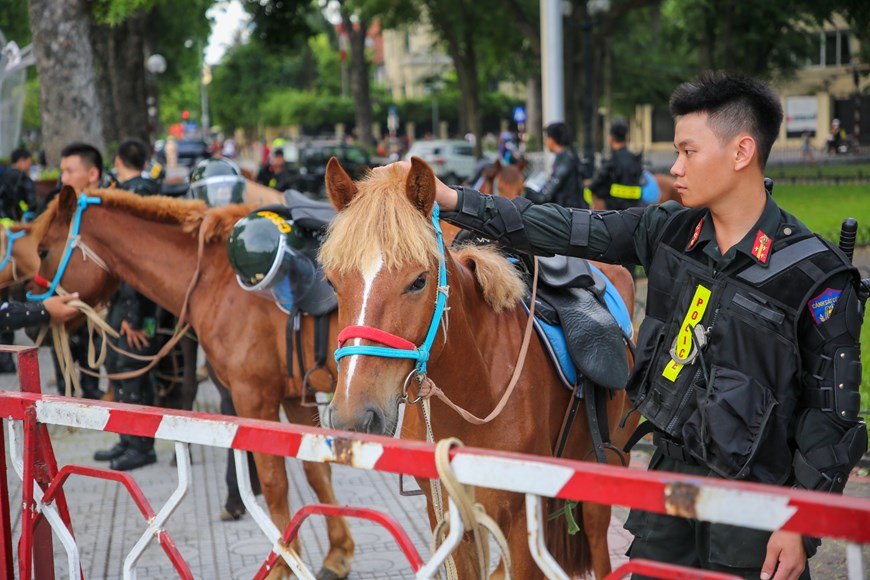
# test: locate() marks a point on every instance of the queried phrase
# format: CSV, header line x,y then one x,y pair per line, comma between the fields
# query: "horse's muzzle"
x,y
370,419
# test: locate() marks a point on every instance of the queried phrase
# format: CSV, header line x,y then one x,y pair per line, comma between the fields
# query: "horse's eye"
x,y
43,254
331,285
419,283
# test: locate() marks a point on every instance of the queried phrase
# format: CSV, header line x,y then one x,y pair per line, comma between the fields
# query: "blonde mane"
x,y
188,213
381,221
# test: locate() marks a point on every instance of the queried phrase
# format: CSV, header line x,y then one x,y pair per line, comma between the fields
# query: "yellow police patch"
x,y
683,344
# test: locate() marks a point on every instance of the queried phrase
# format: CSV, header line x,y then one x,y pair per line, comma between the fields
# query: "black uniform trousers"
x,y
685,542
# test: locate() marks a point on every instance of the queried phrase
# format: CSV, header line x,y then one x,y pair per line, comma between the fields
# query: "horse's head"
x,y
382,256
510,181
52,230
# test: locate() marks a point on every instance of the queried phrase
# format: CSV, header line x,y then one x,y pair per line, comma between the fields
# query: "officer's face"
x,y
705,166
78,174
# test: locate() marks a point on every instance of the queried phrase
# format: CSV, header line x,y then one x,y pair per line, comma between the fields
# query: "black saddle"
x,y
306,212
570,295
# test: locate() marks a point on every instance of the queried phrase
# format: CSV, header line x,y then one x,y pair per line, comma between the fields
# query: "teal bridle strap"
x,y
12,237
82,204
421,353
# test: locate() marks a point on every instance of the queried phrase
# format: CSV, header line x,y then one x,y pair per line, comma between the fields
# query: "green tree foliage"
x,y
283,26
15,22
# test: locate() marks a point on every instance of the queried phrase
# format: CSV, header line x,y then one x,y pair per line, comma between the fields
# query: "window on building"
x,y
830,48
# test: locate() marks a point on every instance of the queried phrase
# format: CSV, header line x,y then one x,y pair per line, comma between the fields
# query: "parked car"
x,y
312,165
188,151
452,161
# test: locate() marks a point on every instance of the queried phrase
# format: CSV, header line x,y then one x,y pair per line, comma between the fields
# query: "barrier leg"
x,y
854,561
264,521
537,544
6,564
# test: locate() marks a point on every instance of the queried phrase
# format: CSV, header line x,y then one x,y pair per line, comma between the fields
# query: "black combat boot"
x,y
133,458
109,454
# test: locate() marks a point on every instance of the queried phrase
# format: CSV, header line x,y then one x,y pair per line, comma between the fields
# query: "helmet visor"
x,y
219,190
289,278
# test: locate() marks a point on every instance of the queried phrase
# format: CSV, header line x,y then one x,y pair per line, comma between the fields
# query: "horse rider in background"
x,y
564,185
616,184
133,316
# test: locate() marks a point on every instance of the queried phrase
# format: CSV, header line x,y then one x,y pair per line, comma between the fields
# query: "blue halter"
x,y
421,353
83,202
12,237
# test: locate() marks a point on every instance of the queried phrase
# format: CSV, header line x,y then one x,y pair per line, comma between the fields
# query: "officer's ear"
x,y
745,153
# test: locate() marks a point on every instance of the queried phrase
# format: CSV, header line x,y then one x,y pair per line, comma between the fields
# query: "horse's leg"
x,y
258,401
319,476
189,384
596,521
234,507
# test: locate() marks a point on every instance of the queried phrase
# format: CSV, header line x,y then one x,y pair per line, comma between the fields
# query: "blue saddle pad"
x,y
553,339
649,189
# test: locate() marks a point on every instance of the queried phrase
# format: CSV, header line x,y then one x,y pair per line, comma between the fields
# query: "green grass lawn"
x,y
819,171
822,208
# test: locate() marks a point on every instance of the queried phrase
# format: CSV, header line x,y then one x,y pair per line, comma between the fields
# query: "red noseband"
x,y
375,335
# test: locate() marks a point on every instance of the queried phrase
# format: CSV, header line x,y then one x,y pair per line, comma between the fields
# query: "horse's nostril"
x,y
372,422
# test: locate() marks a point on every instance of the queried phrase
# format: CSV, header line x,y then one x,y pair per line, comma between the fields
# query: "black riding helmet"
x,y
217,182
264,250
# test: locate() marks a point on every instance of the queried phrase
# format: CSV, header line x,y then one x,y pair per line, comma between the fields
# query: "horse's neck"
x,y
156,259
478,341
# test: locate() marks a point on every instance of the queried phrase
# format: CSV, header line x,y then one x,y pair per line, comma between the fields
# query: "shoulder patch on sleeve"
x,y
822,305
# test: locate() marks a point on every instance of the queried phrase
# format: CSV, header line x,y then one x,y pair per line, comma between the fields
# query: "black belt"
x,y
672,449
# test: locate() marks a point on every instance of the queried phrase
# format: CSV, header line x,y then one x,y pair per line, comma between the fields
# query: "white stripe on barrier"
x,y
72,415
197,431
739,508
511,474
344,450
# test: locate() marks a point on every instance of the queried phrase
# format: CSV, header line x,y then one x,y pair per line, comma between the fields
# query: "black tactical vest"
x,y
732,405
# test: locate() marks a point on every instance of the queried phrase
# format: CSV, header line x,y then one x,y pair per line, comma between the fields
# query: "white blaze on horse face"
x,y
369,274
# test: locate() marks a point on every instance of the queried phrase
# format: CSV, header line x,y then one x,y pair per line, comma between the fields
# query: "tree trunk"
x,y
120,55
359,78
534,114
70,104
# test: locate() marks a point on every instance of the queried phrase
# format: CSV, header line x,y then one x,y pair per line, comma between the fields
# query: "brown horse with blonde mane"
x,y
24,261
382,257
151,243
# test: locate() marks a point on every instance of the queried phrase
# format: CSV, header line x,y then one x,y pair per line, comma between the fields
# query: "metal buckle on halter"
x,y
405,398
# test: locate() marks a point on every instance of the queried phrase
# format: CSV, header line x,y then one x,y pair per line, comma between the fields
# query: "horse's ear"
x,y
66,201
339,186
420,186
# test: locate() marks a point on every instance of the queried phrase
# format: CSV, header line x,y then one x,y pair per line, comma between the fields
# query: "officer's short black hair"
x,y
133,153
734,103
278,152
560,133
89,154
619,131
19,154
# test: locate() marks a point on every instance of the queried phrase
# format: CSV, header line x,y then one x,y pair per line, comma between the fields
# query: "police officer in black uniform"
x,y
748,362
15,315
17,190
133,316
564,186
276,174
616,184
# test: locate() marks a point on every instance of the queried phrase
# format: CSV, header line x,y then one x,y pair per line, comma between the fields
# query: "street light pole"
x,y
588,149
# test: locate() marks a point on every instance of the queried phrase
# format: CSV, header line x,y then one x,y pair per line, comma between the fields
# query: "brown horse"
x,y
386,279
151,243
24,260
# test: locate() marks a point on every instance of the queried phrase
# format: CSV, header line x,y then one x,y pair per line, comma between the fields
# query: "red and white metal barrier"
x,y
712,500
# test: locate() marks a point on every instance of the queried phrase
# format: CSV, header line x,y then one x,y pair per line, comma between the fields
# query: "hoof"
x,y
327,574
232,516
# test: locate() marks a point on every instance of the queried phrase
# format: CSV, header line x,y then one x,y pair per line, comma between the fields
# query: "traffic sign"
x,y
519,114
